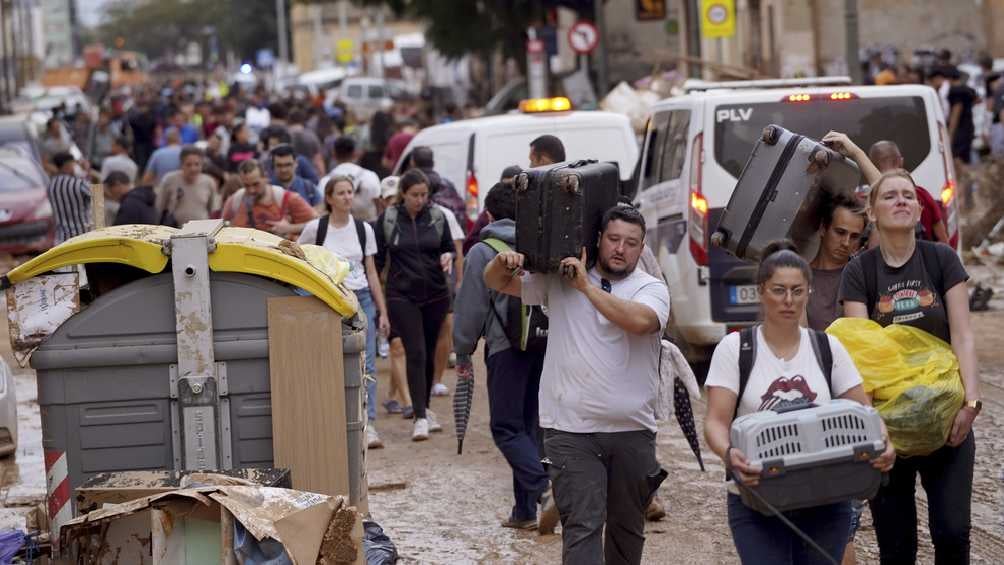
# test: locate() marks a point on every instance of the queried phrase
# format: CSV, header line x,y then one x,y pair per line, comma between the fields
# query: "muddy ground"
x,y
451,506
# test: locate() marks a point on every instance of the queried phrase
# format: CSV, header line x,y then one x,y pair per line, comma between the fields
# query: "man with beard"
x,y
263,206
598,387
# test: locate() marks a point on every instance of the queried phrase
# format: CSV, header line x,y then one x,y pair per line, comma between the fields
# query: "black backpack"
x,y
525,326
322,232
747,357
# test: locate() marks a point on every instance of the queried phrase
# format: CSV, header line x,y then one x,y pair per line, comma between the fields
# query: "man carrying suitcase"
x,y
598,387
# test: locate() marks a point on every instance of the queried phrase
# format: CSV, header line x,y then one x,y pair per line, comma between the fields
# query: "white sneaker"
x,y
434,425
421,431
439,389
373,440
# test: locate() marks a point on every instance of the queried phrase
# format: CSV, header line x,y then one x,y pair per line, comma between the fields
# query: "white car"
x,y
695,148
363,96
472,153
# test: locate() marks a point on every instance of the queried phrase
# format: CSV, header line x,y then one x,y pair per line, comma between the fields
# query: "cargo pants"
x,y
602,479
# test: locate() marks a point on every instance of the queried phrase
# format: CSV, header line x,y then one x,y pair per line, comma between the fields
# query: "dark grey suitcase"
x,y
778,191
559,208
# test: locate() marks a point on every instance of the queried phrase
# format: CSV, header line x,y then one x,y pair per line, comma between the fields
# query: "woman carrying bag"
x,y
786,372
920,284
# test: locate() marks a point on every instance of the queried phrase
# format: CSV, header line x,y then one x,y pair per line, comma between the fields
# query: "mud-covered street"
x,y
450,506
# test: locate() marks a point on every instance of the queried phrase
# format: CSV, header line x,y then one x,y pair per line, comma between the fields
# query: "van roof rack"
x,y
696,85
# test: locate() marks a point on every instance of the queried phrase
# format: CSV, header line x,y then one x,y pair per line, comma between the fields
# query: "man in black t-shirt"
x,y
961,130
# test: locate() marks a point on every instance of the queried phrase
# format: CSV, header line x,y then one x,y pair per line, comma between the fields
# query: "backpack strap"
x,y
824,355
322,229
389,225
499,246
438,220
747,357
361,234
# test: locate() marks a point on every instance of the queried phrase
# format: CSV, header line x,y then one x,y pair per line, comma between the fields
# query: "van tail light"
x,y
949,202
697,224
472,197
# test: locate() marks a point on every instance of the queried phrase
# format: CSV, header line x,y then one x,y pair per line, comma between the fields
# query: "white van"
x,y
363,96
472,153
696,145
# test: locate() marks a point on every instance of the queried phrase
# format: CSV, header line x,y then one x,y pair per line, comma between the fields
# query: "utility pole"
x,y
317,17
851,31
280,23
601,50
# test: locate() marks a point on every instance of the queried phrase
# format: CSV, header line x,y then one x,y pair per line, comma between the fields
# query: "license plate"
x,y
744,294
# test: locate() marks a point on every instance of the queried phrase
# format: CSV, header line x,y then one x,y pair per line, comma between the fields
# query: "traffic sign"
x,y
583,37
718,18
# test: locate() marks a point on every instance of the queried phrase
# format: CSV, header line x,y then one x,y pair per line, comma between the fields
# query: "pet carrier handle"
x,y
794,408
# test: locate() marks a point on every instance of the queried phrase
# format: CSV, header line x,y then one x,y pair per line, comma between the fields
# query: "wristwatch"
x,y
976,405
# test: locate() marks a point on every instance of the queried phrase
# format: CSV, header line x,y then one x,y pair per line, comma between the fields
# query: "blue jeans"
x,y
513,383
765,539
367,305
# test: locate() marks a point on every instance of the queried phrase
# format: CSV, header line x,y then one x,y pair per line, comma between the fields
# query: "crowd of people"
x,y
574,417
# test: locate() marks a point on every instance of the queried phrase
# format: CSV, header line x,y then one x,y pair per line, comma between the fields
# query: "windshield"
x,y
18,172
901,119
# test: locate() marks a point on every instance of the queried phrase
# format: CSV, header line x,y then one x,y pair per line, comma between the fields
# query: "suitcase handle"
x,y
794,408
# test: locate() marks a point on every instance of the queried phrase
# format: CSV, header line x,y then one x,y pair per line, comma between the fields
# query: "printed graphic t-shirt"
x,y
907,294
776,383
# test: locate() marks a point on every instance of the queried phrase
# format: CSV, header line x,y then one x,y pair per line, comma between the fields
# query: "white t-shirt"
x,y
344,242
597,377
777,383
367,189
451,220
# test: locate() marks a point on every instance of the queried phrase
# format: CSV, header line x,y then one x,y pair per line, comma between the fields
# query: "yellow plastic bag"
x,y
913,378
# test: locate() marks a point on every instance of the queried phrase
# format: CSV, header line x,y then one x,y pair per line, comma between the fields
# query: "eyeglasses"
x,y
780,292
605,285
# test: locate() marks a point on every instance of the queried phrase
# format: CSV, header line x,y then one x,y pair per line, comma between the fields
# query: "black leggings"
x,y
418,326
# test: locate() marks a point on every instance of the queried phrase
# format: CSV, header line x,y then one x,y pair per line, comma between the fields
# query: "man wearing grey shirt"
x,y
598,387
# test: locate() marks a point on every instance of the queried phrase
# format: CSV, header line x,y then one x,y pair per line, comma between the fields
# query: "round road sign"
x,y
583,37
717,13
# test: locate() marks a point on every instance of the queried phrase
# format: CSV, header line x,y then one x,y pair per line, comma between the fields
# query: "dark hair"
x,y
778,255
190,150
62,158
422,157
828,206
549,145
123,142
297,116
624,213
345,147
411,178
249,166
277,110
116,178
278,132
283,150
501,202
510,172
208,168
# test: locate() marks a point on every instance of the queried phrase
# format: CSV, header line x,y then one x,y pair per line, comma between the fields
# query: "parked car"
x,y
8,411
363,96
26,222
696,146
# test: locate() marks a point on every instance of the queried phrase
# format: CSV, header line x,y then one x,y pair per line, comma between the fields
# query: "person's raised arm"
x,y
843,144
633,317
502,274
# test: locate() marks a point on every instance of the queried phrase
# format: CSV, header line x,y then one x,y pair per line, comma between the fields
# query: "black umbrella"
x,y
463,397
685,416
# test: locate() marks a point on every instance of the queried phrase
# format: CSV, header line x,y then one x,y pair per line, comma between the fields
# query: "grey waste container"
x,y
104,379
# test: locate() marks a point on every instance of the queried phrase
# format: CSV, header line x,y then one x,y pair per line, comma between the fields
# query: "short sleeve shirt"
x,y
906,294
777,383
597,378
187,202
344,242
823,305
296,211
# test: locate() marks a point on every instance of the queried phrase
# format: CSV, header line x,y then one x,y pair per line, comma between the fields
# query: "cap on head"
x,y
388,187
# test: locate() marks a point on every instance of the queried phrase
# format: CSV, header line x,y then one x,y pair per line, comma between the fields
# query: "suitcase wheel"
x,y
821,157
771,135
570,184
718,239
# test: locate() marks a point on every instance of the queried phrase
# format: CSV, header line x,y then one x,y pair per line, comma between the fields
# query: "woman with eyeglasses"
x,y
785,373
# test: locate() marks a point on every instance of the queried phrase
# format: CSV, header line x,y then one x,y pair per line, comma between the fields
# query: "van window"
x,y
375,91
902,119
667,149
355,91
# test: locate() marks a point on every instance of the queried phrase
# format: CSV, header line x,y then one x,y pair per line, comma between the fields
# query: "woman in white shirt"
x,y
354,241
785,372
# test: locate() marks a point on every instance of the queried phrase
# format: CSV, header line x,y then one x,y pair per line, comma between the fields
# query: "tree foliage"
x,y
162,27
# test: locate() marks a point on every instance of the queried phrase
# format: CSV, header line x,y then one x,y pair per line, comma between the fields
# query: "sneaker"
x,y
549,516
407,412
439,389
656,510
373,440
421,431
515,524
392,406
434,425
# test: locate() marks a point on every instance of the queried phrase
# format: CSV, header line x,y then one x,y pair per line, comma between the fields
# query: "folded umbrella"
x,y
685,416
463,397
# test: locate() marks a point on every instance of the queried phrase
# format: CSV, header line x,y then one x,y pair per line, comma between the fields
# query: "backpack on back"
x,y
446,195
322,232
525,326
390,216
